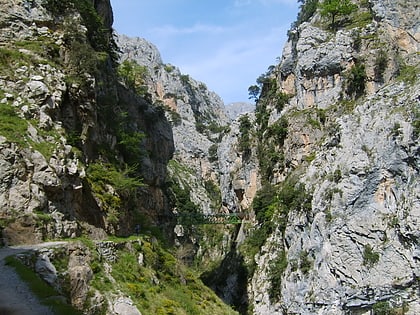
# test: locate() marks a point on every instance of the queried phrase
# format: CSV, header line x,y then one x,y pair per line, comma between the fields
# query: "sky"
x,y
226,44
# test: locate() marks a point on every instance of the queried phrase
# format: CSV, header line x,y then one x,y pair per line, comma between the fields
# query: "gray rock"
x,y
125,306
46,269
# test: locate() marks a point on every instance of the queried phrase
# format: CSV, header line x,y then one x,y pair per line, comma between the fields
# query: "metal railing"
x,y
200,219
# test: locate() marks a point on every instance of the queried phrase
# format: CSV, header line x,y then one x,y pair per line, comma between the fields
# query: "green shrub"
x,y
103,174
244,138
252,245
416,123
214,193
12,126
307,10
407,73
356,80
278,130
381,63
133,76
281,99
277,268
305,262
370,258
180,198
265,203
213,153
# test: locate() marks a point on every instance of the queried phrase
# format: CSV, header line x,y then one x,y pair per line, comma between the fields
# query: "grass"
x,y
11,125
45,293
162,285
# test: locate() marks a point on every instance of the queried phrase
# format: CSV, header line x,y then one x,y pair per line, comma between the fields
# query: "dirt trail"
x,y
15,296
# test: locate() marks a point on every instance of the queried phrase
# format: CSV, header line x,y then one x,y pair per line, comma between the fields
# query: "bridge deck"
x,y
199,218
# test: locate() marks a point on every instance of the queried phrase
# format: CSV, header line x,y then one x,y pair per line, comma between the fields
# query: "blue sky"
x,y
226,44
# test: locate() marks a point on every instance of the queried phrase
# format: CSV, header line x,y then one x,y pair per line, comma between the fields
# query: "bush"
x,y
355,81
370,257
265,202
244,138
102,174
278,130
277,268
12,126
133,76
381,63
213,153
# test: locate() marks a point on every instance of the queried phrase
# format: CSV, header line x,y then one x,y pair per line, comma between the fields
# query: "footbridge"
x,y
200,218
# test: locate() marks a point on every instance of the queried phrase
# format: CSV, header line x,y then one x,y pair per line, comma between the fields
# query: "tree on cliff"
x,y
334,8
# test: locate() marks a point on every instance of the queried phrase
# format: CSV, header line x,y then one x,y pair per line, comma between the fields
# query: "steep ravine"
x,y
98,134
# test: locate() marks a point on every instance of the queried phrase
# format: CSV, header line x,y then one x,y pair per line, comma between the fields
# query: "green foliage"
x,y
370,257
381,63
408,73
281,99
100,175
214,193
305,262
98,35
12,126
253,243
180,197
254,92
129,145
277,268
293,196
356,80
385,308
265,203
129,139
336,176
213,153
307,10
416,123
185,78
396,130
133,76
106,174
278,130
162,285
244,140
336,8
11,58
45,293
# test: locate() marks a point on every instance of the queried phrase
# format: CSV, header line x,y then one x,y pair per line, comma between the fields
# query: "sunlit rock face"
x,y
357,248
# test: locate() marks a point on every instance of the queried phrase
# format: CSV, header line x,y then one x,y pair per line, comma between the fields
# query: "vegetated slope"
x,y
202,134
338,144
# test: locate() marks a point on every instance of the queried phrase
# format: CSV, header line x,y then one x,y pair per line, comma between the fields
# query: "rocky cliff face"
x,y
352,246
66,116
204,158
325,172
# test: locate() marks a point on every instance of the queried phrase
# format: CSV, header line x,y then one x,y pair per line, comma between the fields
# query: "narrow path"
x,y
15,296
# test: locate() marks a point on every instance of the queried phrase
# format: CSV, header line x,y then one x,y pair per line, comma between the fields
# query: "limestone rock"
x,y
46,269
80,275
125,306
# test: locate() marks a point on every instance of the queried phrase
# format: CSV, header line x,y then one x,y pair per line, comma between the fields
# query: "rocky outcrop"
x,y
58,92
197,115
233,110
355,249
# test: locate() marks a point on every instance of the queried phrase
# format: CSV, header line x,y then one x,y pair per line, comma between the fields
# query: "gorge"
x,y
98,135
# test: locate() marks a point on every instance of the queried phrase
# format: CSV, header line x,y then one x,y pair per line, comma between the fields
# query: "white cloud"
x,y
170,30
230,68
241,3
